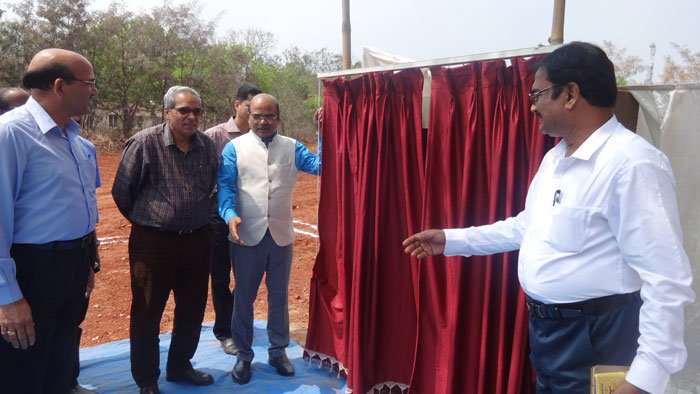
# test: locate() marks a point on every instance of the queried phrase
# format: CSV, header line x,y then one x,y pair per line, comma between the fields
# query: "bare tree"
x,y
626,66
688,71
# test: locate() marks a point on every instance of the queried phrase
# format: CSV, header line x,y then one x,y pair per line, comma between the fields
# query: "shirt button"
x,y
269,197
268,215
270,180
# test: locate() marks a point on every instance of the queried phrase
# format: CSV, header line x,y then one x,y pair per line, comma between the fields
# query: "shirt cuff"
x,y
9,288
228,214
455,241
646,375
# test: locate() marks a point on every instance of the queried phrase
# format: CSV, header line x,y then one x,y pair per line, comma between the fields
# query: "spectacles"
x,y
258,117
184,111
534,96
92,83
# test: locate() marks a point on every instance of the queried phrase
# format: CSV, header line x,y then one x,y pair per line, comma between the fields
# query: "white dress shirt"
x,y
602,221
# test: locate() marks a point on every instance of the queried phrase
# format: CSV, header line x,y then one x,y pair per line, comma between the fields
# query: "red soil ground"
x,y
107,319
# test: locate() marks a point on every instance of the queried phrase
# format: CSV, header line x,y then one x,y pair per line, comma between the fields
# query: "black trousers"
x,y
161,262
53,283
563,351
221,294
79,334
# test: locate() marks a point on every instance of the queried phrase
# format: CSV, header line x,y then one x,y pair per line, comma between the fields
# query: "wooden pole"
x,y
557,36
347,61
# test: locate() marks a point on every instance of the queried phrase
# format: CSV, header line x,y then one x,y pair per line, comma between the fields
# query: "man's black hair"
x,y
247,90
586,65
43,77
4,94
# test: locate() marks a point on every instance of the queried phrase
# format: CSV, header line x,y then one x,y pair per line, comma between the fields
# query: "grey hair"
x,y
169,98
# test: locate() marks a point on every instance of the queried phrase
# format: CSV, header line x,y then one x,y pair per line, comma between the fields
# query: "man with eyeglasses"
x,y
601,256
162,186
48,206
11,98
221,294
256,178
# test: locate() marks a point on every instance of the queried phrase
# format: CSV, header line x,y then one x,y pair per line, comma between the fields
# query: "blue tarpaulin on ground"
x,y
106,369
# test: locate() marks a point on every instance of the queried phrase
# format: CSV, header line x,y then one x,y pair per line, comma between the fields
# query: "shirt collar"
x,y
591,145
268,140
231,126
168,138
46,123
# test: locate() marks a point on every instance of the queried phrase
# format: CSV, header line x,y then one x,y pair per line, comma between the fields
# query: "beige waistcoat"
x,y
266,178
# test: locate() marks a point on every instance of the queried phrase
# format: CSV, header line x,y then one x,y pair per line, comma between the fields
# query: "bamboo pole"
x,y
347,61
557,36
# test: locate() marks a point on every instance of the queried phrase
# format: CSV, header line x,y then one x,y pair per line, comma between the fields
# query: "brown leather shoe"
x,y
191,376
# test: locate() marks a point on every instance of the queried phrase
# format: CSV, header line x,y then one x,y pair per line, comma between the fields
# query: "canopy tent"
x,y
664,115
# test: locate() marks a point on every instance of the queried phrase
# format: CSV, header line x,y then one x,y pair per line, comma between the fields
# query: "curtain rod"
x,y
447,61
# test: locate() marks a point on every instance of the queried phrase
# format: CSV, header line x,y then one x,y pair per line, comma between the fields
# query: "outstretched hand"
x,y
233,224
426,243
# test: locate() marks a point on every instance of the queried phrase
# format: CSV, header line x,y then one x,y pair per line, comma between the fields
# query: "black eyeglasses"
x,y
184,111
534,96
258,117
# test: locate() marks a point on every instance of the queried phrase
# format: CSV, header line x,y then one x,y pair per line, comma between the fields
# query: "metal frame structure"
x,y
448,61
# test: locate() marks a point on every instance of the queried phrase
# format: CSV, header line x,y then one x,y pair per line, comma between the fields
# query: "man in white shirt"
x,y
601,251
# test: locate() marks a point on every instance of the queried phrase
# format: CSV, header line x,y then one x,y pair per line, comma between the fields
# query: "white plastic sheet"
x,y
669,118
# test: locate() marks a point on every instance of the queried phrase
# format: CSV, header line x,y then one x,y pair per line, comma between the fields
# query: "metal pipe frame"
x,y
448,61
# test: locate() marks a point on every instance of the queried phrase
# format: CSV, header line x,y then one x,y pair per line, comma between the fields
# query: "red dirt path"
x,y
107,318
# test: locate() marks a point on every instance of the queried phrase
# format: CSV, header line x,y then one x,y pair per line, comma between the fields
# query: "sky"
x,y
423,30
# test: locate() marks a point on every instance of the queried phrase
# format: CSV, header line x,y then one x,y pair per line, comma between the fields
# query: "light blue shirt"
x,y
304,160
47,186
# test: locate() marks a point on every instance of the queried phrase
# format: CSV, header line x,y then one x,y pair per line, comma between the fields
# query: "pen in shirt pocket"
x,y
557,197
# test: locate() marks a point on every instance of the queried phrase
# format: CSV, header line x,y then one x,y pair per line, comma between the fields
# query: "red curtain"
x,y
362,310
483,149
441,325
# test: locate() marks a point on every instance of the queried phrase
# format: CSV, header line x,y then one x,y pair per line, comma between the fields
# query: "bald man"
x,y
11,98
49,210
256,178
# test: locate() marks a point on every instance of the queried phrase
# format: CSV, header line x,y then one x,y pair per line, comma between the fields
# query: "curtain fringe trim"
x,y
326,361
389,385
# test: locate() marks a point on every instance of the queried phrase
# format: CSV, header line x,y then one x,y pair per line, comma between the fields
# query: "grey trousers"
x,y
250,263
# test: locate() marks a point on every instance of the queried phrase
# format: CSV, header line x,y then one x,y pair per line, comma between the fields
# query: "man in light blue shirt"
x,y
48,214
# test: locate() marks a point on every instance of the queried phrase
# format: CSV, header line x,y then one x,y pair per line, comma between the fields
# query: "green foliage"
x,y
137,57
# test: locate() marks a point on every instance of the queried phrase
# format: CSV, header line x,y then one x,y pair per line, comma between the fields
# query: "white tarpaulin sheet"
x,y
669,117
374,57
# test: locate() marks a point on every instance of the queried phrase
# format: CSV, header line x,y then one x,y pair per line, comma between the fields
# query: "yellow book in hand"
x,y
604,378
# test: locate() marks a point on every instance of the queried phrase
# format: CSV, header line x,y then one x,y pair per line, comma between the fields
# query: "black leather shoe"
x,y
228,346
150,389
191,376
282,365
241,372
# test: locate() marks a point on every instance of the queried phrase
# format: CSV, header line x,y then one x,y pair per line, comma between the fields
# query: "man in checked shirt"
x,y
162,185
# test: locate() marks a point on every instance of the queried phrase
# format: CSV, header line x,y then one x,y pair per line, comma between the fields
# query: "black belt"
x,y
573,310
177,232
55,246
